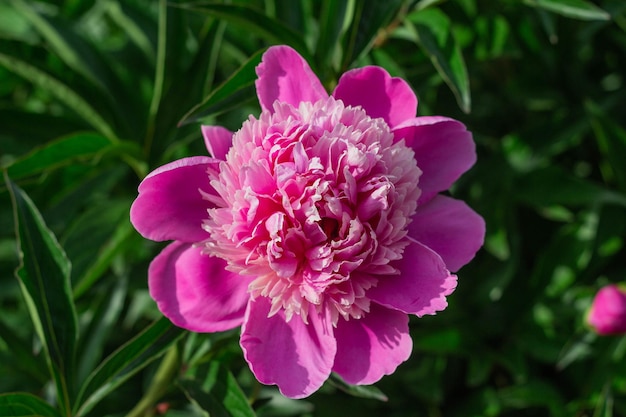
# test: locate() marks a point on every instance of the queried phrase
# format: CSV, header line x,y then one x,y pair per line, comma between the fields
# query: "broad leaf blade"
x,y
238,88
21,404
125,362
434,33
58,153
219,394
577,9
44,275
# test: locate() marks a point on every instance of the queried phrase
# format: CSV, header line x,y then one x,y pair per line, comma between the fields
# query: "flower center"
x,y
317,203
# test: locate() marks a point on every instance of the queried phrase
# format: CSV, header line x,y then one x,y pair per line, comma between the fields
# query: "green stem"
x,y
160,384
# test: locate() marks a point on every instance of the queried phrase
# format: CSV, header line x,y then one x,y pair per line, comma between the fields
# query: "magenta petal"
x,y
444,150
380,94
195,291
371,347
450,228
293,355
285,76
169,205
422,285
218,140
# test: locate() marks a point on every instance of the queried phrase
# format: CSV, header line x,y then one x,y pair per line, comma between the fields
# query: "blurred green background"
x,y
95,94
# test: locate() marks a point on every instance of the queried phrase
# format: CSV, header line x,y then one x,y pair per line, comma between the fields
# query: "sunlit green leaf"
x,y
44,275
577,9
129,359
433,30
21,404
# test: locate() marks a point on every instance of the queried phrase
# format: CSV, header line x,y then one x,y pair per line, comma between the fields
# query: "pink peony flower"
x,y
608,311
317,226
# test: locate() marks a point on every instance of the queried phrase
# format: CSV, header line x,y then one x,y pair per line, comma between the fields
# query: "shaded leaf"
x,y
577,9
129,359
433,31
237,89
21,404
44,276
361,391
611,138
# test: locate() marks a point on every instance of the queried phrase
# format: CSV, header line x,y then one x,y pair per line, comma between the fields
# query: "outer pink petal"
x,y
450,228
422,285
284,75
295,356
194,290
169,205
373,346
218,141
444,150
380,94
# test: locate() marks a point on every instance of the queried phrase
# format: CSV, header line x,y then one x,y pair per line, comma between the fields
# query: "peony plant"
x,y
607,315
317,227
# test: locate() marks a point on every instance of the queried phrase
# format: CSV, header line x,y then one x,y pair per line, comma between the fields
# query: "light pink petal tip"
x,y
444,150
218,141
371,347
169,205
422,286
284,75
450,228
295,356
194,290
380,94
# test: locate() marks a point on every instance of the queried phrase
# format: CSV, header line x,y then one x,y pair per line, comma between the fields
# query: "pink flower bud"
x,y
608,311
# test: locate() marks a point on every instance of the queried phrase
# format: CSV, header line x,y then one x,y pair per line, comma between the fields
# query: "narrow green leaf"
x,y
64,93
255,21
360,391
129,359
611,138
433,30
333,17
577,9
238,88
21,404
57,153
125,18
44,276
219,394
20,354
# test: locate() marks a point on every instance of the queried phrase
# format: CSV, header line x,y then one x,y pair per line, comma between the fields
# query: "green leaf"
x,y
20,356
254,21
332,26
64,93
59,152
219,394
433,31
21,404
125,362
611,138
237,89
44,276
360,391
577,9
369,20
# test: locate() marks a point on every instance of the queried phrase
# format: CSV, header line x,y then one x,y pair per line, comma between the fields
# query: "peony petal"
x,y
285,76
169,205
380,94
218,141
444,150
450,228
195,291
373,346
422,285
297,357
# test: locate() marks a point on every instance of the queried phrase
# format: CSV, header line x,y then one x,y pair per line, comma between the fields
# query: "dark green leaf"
x,y
254,21
332,18
59,152
218,394
434,33
125,362
611,138
361,391
237,89
577,9
21,404
44,275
